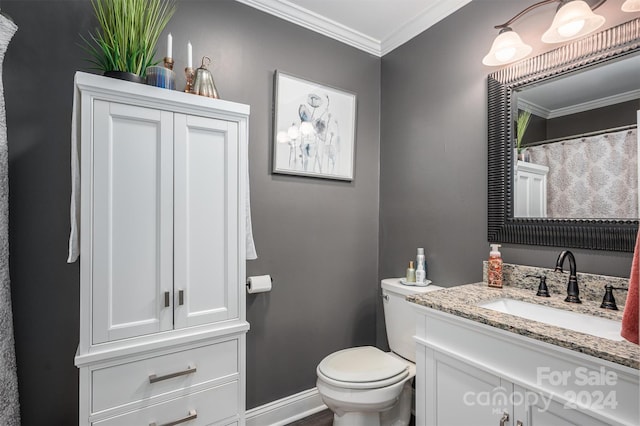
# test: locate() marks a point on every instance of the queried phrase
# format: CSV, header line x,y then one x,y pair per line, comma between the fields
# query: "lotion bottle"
x,y
494,274
411,273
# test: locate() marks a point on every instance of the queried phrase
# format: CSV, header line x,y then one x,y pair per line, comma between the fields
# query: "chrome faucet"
x,y
573,291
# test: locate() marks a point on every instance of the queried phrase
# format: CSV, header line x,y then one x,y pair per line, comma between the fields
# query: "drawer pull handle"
x,y
192,415
181,297
504,419
166,299
153,378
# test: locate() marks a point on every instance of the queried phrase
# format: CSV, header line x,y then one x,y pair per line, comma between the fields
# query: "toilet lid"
x,y
361,364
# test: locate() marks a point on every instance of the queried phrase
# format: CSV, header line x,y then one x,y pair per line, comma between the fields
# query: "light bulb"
x,y
631,6
571,28
572,20
503,55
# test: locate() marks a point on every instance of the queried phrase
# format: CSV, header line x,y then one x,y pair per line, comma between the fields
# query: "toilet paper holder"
x,y
247,283
259,284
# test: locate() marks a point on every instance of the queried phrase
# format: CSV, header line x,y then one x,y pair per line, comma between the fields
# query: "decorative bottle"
x,y
411,273
494,278
421,267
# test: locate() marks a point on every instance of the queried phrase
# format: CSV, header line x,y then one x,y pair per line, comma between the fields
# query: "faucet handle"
x,y
543,291
608,301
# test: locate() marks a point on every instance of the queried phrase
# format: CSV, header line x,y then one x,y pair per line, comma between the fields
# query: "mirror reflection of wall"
x,y
607,117
583,130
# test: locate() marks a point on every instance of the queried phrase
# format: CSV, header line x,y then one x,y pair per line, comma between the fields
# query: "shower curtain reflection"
x,y
593,177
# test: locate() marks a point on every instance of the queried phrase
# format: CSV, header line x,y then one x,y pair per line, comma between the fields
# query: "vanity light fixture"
x,y
631,6
573,19
506,48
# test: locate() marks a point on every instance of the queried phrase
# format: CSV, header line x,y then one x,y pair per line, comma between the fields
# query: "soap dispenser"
x,y
494,278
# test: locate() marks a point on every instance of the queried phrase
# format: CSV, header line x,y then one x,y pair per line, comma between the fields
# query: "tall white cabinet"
x,y
530,194
162,255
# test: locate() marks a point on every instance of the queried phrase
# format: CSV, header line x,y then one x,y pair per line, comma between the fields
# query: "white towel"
x,y
251,246
74,236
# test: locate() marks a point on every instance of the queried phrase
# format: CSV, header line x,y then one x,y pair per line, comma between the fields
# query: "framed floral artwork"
x,y
314,129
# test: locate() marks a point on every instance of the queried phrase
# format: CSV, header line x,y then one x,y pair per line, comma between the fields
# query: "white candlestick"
x,y
169,45
189,55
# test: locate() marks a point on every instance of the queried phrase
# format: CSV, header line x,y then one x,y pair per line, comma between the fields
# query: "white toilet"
x,y
365,386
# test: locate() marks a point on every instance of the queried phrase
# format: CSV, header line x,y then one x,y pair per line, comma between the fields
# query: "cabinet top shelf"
x,y
531,167
157,95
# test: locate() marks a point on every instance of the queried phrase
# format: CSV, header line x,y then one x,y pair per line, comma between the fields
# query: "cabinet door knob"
x,y
519,423
192,415
504,419
167,301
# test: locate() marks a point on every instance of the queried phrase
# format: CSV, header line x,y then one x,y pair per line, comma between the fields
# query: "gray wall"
x,y
317,238
321,240
433,149
622,114
611,116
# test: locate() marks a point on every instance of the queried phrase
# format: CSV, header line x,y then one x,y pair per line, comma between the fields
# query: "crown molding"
x,y
315,22
438,10
598,103
534,109
581,107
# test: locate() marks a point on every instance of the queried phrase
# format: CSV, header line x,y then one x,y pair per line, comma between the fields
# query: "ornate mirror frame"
x,y
598,234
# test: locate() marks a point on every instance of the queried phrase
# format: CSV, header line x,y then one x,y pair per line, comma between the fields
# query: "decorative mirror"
x,y
532,197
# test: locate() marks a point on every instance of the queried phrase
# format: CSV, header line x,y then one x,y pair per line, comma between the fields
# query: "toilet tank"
x,y
400,318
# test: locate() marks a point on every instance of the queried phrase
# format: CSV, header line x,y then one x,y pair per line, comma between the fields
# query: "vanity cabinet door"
x,y
132,221
539,410
461,395
207,210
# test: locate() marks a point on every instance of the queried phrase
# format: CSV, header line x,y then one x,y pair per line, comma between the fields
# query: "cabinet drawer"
x,y
143,379
200,408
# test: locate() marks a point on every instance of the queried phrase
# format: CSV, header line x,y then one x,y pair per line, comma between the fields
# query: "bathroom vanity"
x,y
476,365
506,356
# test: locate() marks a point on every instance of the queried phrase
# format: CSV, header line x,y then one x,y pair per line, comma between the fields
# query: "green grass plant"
x,y
521,126
127,34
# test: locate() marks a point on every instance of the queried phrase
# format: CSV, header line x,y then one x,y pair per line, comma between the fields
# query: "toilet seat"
x,y
363,367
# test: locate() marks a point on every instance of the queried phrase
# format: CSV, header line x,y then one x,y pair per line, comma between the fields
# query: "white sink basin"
x,y
588,324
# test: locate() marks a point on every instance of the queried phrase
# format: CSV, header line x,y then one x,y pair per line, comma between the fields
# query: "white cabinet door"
x,y
132,214
535,409
530,194
206,220
461,395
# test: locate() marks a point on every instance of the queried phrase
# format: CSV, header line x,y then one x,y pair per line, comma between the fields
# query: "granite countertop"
x,y
462,301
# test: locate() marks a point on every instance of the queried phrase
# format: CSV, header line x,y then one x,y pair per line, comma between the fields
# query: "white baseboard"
x,y
286,410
